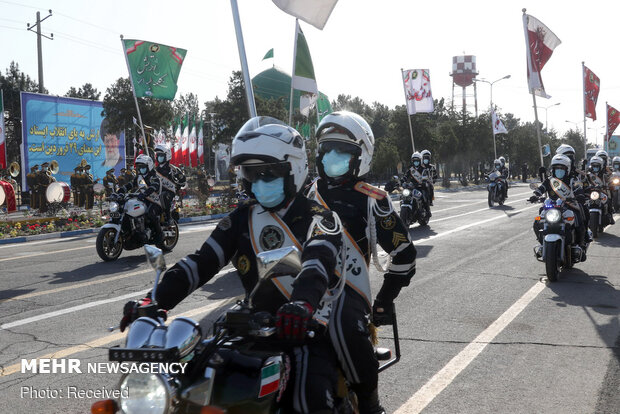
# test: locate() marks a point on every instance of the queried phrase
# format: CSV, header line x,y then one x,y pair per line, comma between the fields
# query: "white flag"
x,y
417,83
306,103
201,159
315,12
498,126
539,45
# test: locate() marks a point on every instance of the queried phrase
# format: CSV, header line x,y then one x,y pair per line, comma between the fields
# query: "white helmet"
x,y
565,149
426,156
603,155
560,160
348,128
597,161
615,163
502,160
145,160
497,164
162,148
416,156
267,143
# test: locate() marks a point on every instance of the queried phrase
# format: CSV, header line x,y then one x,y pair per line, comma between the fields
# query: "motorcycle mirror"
x,y
533,186
285,258
155,257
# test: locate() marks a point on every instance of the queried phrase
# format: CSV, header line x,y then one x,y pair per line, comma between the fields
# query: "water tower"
x,y
463,74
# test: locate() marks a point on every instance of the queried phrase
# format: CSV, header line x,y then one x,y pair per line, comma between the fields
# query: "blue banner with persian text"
x,y
68,130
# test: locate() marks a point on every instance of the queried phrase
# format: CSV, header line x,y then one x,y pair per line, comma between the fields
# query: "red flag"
x,y
613,120
591,86
539,45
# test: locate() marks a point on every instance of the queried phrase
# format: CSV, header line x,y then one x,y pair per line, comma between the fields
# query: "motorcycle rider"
x,y
560,170
417,165
172,178
577,180
345,148
504,174
598,172
274,166
603,154
393,184
502,171
426,162
615,164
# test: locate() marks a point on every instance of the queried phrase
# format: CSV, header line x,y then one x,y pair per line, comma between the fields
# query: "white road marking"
x,y
471,204
105,340
442,379
473,212
69,310
46,241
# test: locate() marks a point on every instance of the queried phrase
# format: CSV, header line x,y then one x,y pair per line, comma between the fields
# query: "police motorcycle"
x,y
414,205
241,369
495,188
556,231
127,230
598,205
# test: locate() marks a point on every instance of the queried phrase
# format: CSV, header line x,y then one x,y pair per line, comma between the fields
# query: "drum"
x,y
7,193
98,188
58,192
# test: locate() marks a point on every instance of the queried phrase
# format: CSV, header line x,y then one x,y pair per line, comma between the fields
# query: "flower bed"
x,y
51,225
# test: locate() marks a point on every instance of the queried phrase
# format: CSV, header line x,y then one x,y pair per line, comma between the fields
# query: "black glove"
x,y
135,309
292,320
382,313
141,197
533,199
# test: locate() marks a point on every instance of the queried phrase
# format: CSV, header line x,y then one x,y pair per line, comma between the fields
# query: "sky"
x,y
360,52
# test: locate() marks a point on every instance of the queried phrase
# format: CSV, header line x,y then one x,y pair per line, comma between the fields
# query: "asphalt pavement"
x,y
481,330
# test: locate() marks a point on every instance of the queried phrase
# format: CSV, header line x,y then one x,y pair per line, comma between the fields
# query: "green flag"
x,y
269,54
323,106
303,76
154,68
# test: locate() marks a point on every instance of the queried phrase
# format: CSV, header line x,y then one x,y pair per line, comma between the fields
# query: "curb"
x,y
70,233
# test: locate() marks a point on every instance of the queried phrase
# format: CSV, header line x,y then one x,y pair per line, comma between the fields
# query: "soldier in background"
x,y
110,182
87,188
31,181
74,180
44,179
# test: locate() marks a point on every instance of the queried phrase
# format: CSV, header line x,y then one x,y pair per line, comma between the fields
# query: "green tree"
x,y
87,91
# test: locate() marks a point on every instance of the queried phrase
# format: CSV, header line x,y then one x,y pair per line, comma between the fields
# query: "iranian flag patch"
x,y
269,379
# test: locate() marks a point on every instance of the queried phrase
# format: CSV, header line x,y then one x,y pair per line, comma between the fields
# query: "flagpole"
x,y
402,77
606,126
583,82
290,107
493,127
133,89
249,92
542,163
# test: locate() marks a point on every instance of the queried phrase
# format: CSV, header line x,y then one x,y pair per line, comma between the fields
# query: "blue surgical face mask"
x,y
269,193
596,168
336,163
497,166
559,173
161,158
426,161
416,163
143,170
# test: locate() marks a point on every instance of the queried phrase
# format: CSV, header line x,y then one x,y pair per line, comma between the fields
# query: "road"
x,y
481,330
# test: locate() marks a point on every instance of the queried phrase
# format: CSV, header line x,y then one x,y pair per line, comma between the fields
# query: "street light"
x,y
491,106
576,125
545,108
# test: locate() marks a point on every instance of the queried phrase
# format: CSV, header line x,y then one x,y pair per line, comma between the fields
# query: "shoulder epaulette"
x,y
370,191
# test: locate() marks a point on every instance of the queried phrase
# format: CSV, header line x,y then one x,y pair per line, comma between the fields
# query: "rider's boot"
x,y
368,403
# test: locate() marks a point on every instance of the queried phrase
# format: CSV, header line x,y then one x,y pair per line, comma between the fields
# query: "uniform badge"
x,y
398,238
317,209
243,264
388,222
225,223
271,237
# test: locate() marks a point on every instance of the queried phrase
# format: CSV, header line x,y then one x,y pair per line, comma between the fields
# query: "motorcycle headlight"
x,y
595,195
144,394
553,215
113,207
406,193
615,181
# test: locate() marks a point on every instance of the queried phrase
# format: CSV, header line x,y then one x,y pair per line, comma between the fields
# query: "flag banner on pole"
x,y
176,150
539,45
193,156
323,106
315,12
418,91
185,143
546,150
498,126
154,68
592,86
303,78
201,139
3,162
269,54
613,120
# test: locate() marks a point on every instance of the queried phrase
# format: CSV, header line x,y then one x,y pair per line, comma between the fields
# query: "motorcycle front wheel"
x,y
106,249
404,216
594,224
490,199
552,254
171,240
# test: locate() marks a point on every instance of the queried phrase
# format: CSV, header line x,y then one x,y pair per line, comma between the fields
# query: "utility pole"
x,y
37,30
